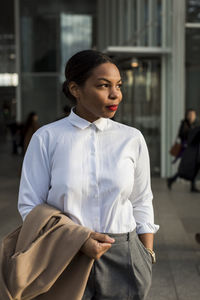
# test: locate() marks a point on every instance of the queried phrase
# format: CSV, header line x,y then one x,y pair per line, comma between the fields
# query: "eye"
x,y
119,85
105,85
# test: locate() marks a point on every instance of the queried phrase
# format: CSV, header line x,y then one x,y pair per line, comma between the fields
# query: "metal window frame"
x,y
192,25
137,50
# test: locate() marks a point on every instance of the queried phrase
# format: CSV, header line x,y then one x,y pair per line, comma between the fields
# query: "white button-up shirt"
x,y
97,173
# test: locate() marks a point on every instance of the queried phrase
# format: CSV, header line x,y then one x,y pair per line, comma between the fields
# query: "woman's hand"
x,y
97,245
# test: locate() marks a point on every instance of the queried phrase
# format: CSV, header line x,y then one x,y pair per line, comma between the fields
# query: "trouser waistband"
x,y
123,237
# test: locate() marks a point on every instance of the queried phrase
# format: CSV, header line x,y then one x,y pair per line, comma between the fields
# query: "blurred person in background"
x,y
15,132
30,127
184,134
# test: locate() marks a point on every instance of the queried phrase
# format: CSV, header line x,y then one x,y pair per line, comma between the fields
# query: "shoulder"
x,y
129,136
126,130
51,134
53,129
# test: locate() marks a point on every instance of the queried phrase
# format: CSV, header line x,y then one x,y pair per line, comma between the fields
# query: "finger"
x,y
104,238
101,250
104,246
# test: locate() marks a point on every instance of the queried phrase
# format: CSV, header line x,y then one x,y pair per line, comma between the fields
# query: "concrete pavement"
x,y
176,276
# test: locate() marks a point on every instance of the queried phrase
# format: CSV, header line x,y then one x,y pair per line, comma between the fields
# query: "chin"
x,y
107,114
111,115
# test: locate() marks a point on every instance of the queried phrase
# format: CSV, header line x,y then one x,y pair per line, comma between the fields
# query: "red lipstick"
x,y
112,107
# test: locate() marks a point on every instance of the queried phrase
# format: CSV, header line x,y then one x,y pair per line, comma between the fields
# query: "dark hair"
x,y
80,66
67,109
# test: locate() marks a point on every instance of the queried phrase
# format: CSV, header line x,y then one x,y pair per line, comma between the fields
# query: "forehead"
x,y
107,71
191,112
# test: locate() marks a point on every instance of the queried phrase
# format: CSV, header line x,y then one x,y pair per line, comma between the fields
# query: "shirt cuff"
x,y
147,228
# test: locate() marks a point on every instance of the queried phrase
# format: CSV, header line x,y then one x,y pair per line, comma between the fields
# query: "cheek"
x,y
87,98
99,98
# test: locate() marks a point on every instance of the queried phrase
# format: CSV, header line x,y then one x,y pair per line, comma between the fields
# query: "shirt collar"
x,y
81,123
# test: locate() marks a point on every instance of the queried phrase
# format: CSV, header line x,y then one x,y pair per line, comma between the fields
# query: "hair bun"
x,y
66,91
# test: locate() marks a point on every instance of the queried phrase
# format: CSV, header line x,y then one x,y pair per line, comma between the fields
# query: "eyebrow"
x,y
101,78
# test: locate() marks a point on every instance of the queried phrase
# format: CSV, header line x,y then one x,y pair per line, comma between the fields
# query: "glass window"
x,y
76,35
130,23
43,30
193,68
39,94
141,103
193,11
40,40
51,31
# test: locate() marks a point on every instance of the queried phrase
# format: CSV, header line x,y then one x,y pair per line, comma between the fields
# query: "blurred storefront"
x,y
156,43
137,33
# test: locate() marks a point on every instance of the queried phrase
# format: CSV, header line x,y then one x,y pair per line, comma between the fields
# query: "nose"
x,y
113,93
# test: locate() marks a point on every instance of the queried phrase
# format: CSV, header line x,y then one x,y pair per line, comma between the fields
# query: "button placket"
x,y
93,179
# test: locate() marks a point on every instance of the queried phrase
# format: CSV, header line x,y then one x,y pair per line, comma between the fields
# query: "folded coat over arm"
x,y
41,259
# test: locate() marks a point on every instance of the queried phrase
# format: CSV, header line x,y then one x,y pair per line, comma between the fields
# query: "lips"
x,y
112,107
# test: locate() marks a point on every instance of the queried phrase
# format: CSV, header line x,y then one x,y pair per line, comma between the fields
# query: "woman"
x,y
97,171
186,127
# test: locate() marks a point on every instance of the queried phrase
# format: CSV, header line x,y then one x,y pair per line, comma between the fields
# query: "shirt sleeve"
x,y
141,196
35,178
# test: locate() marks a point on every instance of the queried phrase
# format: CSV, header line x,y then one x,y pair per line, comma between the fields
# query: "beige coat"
x,y
41,260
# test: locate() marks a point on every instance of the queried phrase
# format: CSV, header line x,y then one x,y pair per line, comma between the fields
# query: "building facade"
x,y
155,42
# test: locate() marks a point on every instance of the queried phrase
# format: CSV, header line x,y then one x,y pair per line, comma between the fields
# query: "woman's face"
x,y
191,116
35,118
101,94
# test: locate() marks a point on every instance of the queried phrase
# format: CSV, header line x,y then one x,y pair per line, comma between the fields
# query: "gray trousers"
x,y
122,273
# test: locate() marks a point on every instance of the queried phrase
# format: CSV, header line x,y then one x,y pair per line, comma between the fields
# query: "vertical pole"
x,y
140,23
18,60
178,66
120,20
165,116
129,30
114,23
101,25
173,78
166,90
107,22
164,24
152,21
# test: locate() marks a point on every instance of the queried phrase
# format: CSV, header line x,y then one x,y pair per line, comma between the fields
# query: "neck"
x,y
85,115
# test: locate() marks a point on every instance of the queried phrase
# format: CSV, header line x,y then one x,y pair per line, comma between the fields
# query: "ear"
x,y
74,89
